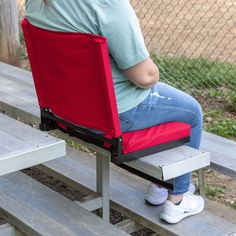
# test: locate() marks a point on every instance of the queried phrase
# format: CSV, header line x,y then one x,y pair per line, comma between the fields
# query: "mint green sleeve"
x,y
118,22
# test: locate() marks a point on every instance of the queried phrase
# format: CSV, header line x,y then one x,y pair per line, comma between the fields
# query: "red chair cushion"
x,y
145,138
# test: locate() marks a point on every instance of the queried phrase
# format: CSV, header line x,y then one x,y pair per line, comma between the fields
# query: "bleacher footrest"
x,y
170,163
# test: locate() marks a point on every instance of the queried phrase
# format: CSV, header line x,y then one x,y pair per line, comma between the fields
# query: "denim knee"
x,y
198,113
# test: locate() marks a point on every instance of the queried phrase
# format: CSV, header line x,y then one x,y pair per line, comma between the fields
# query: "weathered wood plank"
x,y
127,196
19,90
15,72
22,146
9,143
223,153
23,132
171,163
37,210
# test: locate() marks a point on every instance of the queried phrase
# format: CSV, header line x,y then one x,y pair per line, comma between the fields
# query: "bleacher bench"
x,y
34,209
28,205
24,105
22,146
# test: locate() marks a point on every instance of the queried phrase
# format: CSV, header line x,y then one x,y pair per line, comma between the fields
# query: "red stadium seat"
x,y
75,91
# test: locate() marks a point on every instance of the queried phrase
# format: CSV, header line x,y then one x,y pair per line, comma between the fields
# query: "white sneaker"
x,y
190,205
157,195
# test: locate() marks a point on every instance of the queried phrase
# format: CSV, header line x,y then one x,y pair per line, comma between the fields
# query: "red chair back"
x,y
72,76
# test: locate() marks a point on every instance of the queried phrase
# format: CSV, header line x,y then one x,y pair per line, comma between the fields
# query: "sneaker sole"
x,y
175,220
152,204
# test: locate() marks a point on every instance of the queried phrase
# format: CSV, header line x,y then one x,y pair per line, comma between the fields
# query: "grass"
x,y
77,146
197,73
214,191
231,100
213,83
217,123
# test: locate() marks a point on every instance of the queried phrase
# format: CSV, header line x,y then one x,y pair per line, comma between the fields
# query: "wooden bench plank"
x,y
16,72
223,153
127,196
171,163
18,93
31,113
149,216
37,210
22,146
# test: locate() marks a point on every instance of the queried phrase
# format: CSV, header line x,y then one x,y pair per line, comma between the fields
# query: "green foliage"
x,y
216,123
77,146
231,101
22,39
205,79
195,73
214,191
223,127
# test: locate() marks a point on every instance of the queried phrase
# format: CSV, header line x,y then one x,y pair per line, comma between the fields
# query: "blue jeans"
x,y
166,104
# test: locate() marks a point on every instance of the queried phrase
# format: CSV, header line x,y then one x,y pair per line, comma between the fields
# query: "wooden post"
x,y
9,32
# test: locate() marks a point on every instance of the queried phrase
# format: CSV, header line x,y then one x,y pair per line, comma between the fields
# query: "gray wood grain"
x,y
223,153
37,210
22,146
171,163
17,136
18,90
127,195
16,72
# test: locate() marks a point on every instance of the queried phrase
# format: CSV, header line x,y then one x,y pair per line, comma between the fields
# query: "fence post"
x,y
9,32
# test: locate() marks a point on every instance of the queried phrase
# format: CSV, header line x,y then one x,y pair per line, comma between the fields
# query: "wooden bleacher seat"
x,y
127,194
72,169
22,146
34,209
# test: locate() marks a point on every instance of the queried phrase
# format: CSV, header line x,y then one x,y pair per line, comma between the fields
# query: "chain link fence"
x,y
194,44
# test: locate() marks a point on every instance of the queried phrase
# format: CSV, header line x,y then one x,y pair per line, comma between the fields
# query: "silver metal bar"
x,y
102,171
201,181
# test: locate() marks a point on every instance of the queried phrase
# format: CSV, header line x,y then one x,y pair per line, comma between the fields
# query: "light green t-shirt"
x,y
113,19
